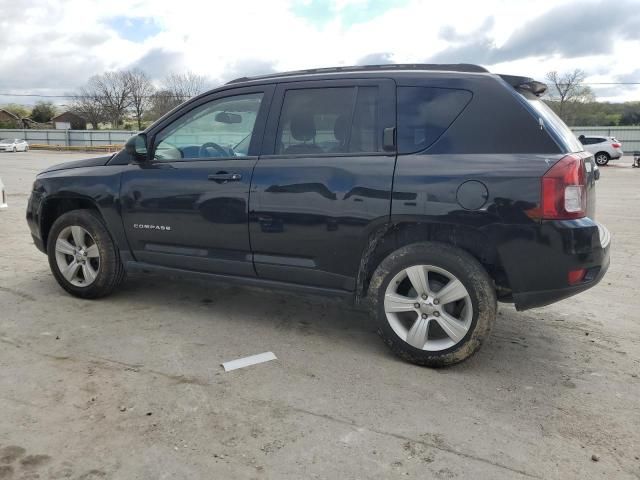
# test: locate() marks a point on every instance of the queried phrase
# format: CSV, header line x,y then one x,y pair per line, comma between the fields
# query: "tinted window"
x,y
329,120
221,128
425,113
552,122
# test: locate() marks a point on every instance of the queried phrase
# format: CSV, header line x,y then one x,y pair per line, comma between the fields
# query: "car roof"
x,y
364,70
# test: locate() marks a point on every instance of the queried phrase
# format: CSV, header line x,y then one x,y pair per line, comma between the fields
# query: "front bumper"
x,y
538,269
34,215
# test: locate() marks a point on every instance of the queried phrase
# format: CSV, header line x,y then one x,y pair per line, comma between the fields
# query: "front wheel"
x,y
434,304
82,256
602,158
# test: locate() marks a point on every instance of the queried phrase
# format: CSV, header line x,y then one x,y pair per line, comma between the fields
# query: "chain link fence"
x,y
114,139
98,139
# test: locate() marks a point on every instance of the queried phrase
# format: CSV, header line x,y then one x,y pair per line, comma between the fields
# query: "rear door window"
x,y
321,121
425,113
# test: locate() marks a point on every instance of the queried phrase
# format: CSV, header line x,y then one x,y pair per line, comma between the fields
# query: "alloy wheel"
x,y
77,256
428,307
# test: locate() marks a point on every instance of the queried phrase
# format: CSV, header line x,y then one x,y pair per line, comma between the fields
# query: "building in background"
x,y
9,120
69,121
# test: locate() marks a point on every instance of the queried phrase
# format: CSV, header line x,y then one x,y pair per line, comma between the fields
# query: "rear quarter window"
x,y
425,113
563,134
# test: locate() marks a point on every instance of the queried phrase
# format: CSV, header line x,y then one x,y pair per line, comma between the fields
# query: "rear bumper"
x,y
538,271
540,298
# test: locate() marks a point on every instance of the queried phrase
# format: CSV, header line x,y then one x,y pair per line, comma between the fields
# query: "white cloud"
x,y
58,44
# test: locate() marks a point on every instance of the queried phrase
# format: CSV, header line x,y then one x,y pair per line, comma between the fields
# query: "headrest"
x,y
341,128
303,127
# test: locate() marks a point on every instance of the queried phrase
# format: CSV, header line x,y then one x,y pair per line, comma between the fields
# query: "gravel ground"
x,y
131,387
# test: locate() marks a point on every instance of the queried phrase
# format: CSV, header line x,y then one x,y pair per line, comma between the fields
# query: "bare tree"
x,y
114,92
88,104
141,90
567,88
183,86
161,102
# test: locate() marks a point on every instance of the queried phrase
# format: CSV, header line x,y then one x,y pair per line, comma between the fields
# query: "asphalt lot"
x,y
131,387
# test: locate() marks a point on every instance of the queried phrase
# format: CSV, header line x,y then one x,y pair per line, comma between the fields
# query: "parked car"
x,y
426,193
603,148
14,145
3,196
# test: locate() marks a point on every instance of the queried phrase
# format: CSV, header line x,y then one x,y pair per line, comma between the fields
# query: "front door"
x,y
323,182
187,207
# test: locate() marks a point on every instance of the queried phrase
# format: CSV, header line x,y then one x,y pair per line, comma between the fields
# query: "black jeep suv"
x,y
426,192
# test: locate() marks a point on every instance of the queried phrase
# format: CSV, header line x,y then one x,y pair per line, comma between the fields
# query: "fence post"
x,y
67,141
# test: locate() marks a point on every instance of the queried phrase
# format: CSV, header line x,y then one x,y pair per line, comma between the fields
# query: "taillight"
x,y
564,195
616,145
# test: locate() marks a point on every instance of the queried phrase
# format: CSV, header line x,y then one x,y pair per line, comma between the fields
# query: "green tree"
x,y
43,112
19,110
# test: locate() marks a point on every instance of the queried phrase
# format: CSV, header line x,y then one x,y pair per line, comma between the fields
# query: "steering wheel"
x,y
204,153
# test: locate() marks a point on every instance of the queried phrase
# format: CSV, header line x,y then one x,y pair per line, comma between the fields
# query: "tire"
x,y
602,158
101,255
26,149
478,308
15,149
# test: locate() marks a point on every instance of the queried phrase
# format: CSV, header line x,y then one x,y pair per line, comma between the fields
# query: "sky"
x,y
51,47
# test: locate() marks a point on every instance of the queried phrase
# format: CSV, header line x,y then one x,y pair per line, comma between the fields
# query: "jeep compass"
x,y
426,193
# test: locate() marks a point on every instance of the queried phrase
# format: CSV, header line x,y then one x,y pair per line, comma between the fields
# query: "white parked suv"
x,y
603,148
14,145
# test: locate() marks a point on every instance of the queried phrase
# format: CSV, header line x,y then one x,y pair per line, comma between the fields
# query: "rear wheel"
x,y
602,158
434,304
82,256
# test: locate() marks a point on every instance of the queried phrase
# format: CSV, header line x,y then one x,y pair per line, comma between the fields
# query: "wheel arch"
x,y
54,207
393,236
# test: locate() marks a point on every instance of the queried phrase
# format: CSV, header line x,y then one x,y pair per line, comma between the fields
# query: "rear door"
x,y
323,182
187,207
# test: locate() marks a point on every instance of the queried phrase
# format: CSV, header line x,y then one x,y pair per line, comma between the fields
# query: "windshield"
x,y
553,123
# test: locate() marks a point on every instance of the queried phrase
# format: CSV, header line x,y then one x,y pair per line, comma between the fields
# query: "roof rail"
x,y
450,67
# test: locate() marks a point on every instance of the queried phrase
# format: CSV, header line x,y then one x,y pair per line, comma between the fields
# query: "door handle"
x,y
225,177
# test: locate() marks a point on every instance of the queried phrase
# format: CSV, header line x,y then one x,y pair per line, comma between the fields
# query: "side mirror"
x,y
136,147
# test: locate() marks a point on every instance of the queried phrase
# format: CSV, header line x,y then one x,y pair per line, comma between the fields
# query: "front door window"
x,y
222,128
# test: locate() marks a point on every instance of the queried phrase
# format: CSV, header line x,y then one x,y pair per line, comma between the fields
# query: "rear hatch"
x,y
531,91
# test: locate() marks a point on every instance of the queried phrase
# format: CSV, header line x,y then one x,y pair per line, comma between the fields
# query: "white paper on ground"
x,y
248,361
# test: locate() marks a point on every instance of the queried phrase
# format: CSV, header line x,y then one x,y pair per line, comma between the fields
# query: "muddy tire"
x,y
446,317
82,255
